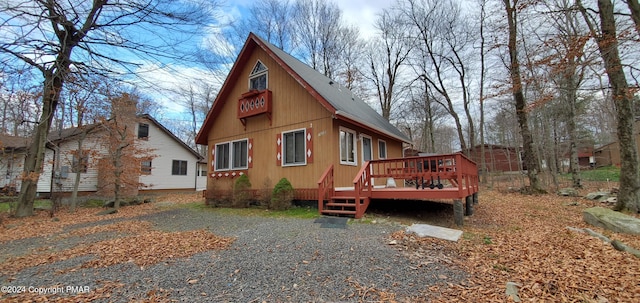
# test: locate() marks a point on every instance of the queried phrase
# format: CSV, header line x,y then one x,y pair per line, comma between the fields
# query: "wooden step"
x,y
342,198
338,212
340,204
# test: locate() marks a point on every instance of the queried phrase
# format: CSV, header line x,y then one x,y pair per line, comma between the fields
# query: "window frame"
x,y
179,172
140,127
284,147
84,162
257,74
380,144
231,149
146,170
354,146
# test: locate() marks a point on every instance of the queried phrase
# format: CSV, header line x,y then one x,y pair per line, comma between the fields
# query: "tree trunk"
x,y
529,151
629,194
628,197
634,7
35,153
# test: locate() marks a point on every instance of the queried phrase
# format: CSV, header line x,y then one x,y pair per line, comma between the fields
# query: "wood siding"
x,y
293,109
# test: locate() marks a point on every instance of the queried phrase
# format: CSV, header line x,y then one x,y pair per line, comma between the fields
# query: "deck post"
x,y
458,212
468,203
475,198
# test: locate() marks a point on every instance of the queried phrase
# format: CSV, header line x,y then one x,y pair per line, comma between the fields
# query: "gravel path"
x,y
272,260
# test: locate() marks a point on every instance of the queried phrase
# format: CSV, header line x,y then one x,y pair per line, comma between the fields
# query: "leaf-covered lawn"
x,y
510,238
525,239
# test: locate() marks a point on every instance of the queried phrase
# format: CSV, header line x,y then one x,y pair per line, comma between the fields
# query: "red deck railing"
x,y
450,171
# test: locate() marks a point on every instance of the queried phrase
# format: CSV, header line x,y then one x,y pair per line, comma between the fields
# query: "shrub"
x,y
241,192
282,195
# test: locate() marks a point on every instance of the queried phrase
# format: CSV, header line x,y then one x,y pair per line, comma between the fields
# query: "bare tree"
x,y
386,57
272,20
59,38
530,153
440,57
318,26
606,38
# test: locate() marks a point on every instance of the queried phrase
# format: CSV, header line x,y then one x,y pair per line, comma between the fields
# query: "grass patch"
x,y
610,173
9,205
293,212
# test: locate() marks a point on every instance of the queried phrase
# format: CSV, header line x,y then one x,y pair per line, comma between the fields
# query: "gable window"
x,y
258,77
143,131
145,167
79,163
382,149
232,155
294,146
347,147
179,168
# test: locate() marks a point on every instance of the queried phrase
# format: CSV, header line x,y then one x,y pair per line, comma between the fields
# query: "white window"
x,y
382,149
258,77
347,146
232,155
293,148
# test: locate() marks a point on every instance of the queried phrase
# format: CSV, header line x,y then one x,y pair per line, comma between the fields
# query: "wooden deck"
x,y
451,177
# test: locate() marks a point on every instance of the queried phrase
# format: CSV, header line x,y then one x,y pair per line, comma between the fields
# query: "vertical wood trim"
x,y
250,153
309,151
279,149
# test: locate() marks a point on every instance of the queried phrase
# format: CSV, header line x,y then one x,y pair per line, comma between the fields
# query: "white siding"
x,y
166,150
11,166
88,180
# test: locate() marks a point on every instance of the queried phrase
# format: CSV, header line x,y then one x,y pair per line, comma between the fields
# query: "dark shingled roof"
x,y
13,142
339,101
344,102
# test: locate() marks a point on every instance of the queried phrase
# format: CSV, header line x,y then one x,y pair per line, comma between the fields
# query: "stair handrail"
x,y
362,183
326,189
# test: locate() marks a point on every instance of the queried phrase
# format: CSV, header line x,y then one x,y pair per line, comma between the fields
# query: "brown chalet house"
x,y
276,117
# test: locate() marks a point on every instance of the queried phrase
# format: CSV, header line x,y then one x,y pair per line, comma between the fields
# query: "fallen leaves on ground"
x,y
525,239
41,224
136,243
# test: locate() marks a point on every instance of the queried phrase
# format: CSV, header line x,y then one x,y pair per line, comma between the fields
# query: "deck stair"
x,y
340,205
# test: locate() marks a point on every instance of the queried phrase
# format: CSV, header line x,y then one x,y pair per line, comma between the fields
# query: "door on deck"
x,y
367,152
367,149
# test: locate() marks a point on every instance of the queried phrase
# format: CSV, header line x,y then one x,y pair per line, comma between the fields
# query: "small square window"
x,y
179,168
143,131
145,167
80,163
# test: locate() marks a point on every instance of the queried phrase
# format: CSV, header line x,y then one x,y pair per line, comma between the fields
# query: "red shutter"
x,y
309,150
278,149
250,153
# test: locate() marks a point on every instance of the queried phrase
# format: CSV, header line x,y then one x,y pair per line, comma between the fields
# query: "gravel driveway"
x,y
272,260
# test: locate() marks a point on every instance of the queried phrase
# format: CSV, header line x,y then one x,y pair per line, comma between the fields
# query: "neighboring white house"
x,y
12,155
175,166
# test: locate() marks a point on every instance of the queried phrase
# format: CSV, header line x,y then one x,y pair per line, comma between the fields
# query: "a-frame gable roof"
x,y
338,100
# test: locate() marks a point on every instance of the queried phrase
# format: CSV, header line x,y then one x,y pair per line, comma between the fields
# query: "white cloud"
x,y
363,14
167,84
